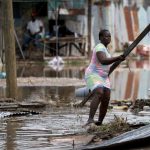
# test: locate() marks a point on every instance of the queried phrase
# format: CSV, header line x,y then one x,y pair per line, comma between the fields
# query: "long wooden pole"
x,y
10,54
131,47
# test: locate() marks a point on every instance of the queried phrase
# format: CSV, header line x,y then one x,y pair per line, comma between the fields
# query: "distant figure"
x,y
96,77
61,31
35,30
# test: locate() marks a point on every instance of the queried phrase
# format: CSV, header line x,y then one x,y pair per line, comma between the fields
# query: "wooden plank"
x,y
64,39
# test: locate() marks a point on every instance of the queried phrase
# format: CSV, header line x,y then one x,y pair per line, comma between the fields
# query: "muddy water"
x,y
38,132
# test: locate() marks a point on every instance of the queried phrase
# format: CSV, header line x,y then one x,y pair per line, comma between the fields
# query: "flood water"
x,y
130,82
59,117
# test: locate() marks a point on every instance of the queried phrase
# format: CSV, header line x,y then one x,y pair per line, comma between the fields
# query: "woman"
x,y
96,77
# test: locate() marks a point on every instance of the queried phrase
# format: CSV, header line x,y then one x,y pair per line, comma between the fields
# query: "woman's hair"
x,y
102,32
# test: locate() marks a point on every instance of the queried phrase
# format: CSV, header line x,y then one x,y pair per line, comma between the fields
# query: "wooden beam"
x,y
10,53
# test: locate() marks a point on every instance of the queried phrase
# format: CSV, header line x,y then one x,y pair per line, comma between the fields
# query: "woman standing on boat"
x,y
96,77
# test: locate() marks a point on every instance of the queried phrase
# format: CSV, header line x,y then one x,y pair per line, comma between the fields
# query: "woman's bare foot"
x,y
89,122
98,123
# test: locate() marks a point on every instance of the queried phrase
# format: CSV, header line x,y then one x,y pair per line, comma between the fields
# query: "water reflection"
x,y
131,85
64,94
41,70
126,83
11,135
132,82
70,71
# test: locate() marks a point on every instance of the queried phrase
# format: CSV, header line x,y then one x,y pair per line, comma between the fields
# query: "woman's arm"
x,y
107,61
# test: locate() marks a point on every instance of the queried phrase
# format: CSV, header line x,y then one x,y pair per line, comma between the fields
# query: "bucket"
x,y
81,92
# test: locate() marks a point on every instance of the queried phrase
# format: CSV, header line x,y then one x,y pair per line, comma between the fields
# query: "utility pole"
x,y
10,54
89,25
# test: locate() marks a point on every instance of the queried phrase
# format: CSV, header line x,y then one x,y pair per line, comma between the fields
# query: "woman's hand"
x,y
121,58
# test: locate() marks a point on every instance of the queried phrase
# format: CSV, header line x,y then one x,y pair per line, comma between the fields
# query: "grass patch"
x,y
114,128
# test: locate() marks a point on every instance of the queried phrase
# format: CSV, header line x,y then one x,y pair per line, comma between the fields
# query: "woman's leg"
x,y
98,93
103,106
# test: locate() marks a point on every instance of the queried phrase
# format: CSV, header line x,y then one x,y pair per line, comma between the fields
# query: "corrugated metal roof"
x,y
30,0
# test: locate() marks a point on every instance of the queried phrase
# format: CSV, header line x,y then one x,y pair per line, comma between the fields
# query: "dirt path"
x,y
40,81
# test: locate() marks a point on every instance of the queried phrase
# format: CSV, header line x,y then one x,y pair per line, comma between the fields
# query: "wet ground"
x,y
59,117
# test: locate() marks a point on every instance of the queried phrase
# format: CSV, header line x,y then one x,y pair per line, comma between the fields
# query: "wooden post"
x,y
0,32
89,26
10,54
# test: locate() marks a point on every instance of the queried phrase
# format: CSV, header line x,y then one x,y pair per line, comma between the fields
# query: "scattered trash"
x,y
149,92
56,61
143,50
57,67
131,139
2,75
146,108
120,107
144,113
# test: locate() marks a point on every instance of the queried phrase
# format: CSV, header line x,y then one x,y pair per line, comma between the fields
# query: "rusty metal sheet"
x,y
129,23
135,22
